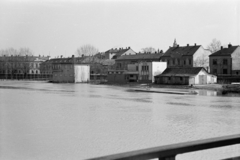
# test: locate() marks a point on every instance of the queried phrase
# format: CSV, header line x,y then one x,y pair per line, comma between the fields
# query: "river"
x,y
45,121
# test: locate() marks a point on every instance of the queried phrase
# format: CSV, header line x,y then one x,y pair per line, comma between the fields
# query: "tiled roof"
x,y
154,56
181,51
225,51
181,71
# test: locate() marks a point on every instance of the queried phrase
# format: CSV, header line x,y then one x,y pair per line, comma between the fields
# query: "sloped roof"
x,y
181,51
154,56
117,51
225,51
181,71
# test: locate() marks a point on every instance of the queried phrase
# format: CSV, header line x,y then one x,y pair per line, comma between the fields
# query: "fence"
x,y
169,152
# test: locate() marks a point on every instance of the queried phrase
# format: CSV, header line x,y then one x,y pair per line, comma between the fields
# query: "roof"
x,y
181,71
154,56
179,51
225,51
117,52
18,58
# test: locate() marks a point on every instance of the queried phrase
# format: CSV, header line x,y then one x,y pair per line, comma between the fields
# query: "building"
x,y
21,67
186,56
116,53
123,61
69,70
144,72
137,68
185,76
226,61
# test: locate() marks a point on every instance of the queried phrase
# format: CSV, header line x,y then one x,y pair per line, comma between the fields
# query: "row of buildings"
x,y
190,64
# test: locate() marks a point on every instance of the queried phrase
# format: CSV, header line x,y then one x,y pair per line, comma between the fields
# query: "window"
x,y
215,71
181,78
225,61
169,78
214,62
178,61
184,62
225,71
136,68
173,61
190,62
168,62
32,72
236,72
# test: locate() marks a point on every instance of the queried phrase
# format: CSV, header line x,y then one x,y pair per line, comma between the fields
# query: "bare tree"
x,y
86,50
214,46
25,52
148,50
14,52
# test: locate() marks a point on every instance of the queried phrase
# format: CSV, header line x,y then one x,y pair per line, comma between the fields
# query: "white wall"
x,y
82,73
158,68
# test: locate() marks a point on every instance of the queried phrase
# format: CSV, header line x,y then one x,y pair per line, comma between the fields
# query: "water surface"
x,y
40,120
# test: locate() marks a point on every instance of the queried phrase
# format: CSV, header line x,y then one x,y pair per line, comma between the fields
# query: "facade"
x,y
144,72
21,67
116,53
68,70
185,76
138,67
186,57
225,62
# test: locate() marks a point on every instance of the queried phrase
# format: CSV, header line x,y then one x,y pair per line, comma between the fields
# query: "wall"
x,y
220,66
201,58
116,77
236,59
64,75
82,73
157,68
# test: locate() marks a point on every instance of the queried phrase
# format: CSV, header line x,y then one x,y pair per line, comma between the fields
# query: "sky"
x,y
51,27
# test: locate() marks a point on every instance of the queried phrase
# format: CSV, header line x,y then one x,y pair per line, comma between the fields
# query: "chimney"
x,y
39,55
128,47
61,56
229,45
178,45
187,44
221,47
195,44
72,56
119,48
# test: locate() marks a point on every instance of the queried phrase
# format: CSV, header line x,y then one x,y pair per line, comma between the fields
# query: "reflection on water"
x,y
41,120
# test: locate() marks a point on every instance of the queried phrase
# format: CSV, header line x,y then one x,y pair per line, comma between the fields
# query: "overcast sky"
x,y
60,27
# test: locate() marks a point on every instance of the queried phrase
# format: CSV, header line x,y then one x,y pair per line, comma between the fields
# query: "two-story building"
x,y
187,65
186,56
137,68
226,61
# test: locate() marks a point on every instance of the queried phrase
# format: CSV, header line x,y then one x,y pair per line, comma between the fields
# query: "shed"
x,y
185,76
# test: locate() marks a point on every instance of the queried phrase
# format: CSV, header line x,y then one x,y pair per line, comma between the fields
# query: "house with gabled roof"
x,y
186,56
185,76
226,61
117,52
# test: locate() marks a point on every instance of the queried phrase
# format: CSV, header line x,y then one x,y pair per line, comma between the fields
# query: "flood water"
x,y
45,121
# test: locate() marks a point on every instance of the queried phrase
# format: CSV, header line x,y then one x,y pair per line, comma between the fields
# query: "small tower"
x,y
175,43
